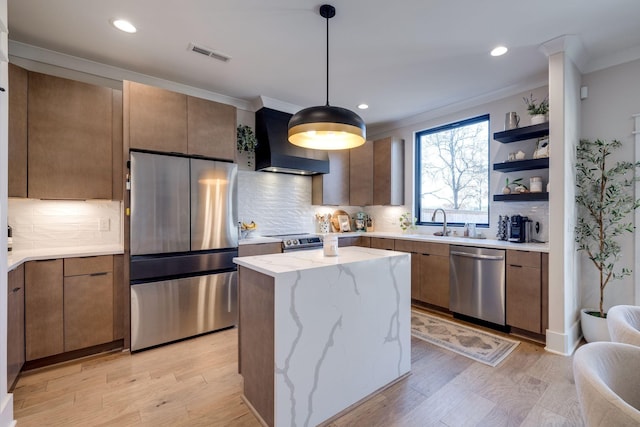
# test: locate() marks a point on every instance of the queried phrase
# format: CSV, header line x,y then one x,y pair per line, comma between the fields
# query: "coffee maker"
x,y
520,231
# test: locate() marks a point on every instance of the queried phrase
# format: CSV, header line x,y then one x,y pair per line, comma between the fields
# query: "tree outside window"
x,y
452,172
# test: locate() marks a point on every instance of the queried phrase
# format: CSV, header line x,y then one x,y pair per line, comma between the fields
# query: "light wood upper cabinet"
x,y
211,129
70,132
361,175
44,326
388,171
332,188
156,118
18,86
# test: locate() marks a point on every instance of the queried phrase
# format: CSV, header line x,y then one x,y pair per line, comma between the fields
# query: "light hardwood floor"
x,y
195,383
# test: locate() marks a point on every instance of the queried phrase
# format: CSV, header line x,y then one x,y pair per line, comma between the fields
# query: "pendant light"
x,y
326,127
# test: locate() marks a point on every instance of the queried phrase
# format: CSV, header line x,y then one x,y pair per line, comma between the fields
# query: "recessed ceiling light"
x,y
499,51
123,25
363,106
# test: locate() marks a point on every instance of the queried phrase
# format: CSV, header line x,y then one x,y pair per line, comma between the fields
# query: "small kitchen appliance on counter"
x,y
520,231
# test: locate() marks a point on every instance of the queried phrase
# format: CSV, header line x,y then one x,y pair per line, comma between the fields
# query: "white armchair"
x,y
607,377
623,322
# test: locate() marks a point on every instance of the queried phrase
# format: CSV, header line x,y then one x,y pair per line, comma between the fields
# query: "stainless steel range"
x,y
297,242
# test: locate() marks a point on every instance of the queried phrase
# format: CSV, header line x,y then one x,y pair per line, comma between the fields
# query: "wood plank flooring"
x,y
195,383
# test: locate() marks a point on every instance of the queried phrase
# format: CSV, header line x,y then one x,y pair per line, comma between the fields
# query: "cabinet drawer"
x,y
381,243
422,247
88,265
523,258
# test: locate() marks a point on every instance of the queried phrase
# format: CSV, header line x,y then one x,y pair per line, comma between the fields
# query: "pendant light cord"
x,y
327,61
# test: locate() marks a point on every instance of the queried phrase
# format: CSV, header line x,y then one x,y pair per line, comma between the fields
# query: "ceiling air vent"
x,y
209,52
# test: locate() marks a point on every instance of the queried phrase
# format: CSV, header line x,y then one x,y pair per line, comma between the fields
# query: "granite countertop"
x,y
276,264
15,258
452,240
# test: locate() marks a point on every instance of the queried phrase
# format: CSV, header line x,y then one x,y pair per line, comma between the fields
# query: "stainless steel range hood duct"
x,y
275,153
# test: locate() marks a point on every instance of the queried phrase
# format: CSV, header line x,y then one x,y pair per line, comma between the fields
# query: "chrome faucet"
x,y
444,222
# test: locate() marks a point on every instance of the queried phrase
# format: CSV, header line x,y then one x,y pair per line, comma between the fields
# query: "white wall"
x,y
614,97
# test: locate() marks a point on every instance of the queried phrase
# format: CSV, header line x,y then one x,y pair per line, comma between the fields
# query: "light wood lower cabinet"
x,y
69,305
44,317
88,302
15,324
382,243
429,271
363,241
524,290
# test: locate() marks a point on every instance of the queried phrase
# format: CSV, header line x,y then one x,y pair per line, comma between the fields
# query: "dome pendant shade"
x,y
327,128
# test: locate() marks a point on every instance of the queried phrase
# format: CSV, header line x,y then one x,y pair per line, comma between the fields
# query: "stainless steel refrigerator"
x,y
183,239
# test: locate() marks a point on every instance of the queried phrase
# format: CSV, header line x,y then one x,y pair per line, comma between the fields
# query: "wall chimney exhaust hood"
x,y
275,153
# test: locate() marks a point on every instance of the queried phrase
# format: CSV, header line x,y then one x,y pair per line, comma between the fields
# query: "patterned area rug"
x,y
476,344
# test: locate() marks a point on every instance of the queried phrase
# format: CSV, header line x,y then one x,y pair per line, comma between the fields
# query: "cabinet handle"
x,y
15,289
99,274
515,265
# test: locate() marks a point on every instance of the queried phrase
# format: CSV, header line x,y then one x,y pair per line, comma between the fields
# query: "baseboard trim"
x,y
6,411
564,343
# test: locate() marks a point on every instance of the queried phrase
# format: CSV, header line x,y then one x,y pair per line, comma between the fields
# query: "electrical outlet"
x,y
104,224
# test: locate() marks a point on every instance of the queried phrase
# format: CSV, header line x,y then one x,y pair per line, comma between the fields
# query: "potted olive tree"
x,y
604,198
539,112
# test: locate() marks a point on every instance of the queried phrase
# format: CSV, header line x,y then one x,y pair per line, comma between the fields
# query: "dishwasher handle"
x,y
476,256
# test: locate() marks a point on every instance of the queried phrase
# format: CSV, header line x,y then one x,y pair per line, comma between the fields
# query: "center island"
x,y
319,334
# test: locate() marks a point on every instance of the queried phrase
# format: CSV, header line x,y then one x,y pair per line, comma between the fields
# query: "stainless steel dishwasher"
x,y
477,283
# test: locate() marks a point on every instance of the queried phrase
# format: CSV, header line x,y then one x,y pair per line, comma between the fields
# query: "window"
x,y
452,172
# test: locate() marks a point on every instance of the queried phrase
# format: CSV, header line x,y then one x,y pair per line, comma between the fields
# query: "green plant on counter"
x,y
407,221
604,196
246,139
533,108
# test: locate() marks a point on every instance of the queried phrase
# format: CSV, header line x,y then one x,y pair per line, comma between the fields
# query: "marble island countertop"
x,y
15,258
453,240
276,264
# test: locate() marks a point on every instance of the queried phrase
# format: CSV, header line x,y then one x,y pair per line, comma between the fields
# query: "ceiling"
x,y
402,58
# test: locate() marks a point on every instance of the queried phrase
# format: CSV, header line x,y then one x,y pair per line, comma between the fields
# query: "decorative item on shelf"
x,y
535,184
542,148
520,155
604,196
511,121
324,222
538,112
407,222
246,143
518,188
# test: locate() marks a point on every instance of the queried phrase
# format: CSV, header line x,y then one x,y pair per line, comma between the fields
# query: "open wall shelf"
x,y
520,134
522,197
522,165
